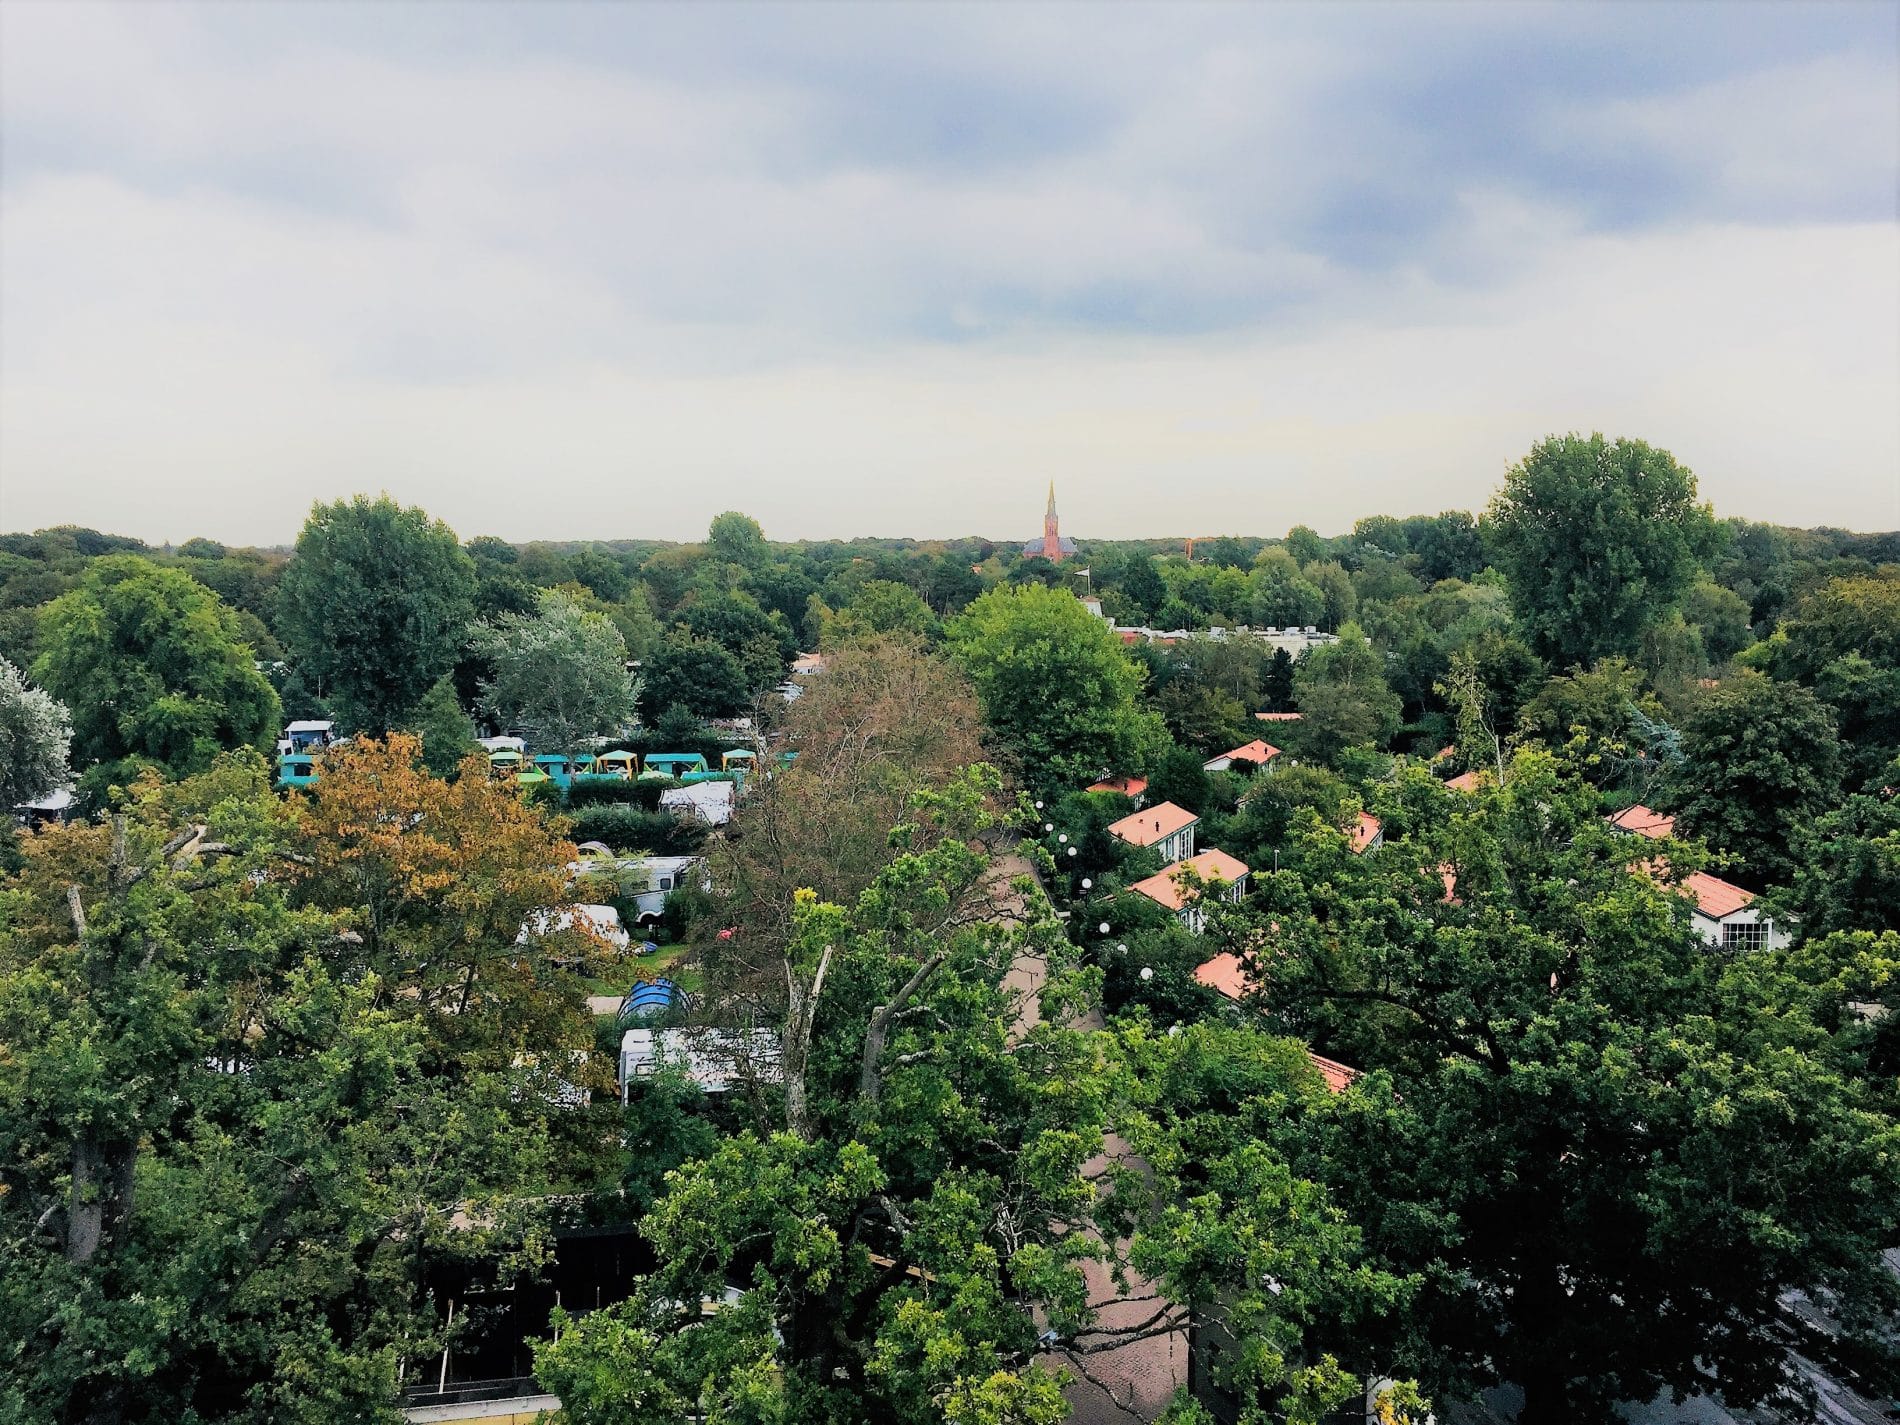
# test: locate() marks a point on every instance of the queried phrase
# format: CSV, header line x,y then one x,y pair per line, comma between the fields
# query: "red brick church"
x,y
1054,545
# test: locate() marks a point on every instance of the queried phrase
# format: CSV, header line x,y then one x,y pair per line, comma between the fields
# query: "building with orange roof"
x,y
1467,782
1366,833
1726,916
1166,828
1644,822
1134,788
1257,754
1173,888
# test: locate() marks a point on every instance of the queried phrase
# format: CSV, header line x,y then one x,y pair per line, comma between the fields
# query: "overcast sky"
x,y
606,270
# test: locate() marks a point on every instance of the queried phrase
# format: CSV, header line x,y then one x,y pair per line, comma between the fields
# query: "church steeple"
x,y
1052,545
1050,514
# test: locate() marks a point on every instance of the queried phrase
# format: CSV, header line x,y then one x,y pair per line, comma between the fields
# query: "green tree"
x,y
1847,864
1608,1153
375,605
444,728
36,733
1276,692
881,606
1760,761
696,674
1598,540
736,539
224,1157
1341,692
1179,777
151,664
560,677
1283,597
1844,642
1720,616
1142,586
1339,602
1057,688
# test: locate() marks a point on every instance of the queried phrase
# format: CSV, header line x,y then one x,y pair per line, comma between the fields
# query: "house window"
x,y
1745,935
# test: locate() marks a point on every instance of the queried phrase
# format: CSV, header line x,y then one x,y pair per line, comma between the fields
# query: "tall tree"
x,y
1760,761
152,666
1599,540
223,1160
375,604
560,677
736,539
1057,688
1343,697
1610,1153
36,733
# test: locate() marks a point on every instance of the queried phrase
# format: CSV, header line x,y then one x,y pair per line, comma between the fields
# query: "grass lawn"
x,y
669,961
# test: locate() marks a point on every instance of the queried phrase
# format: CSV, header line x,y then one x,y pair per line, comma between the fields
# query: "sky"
x,y
605,270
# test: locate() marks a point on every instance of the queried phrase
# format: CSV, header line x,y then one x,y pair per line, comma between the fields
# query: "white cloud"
x,y
549,292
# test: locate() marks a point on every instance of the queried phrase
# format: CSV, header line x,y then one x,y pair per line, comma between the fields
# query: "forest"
x,y
1544,1048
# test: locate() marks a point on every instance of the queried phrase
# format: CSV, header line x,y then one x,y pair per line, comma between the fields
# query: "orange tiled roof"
x,y
1225,973
1464,782
1165,888
1363,832
1644,822
1278,717
1339,1077
1152,824
1715,897
1127,786
1258,750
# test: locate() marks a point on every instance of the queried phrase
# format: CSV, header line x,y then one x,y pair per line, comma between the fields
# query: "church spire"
x,y
1050,513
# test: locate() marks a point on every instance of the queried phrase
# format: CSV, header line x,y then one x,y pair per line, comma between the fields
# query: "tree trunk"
x,y
101,1197
878,1032
795,1051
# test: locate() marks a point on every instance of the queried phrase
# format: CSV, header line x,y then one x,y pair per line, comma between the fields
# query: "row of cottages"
x,y
1723,914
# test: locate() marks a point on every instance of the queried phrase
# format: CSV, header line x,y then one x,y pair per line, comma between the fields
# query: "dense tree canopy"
x,y
226,1146
1606,1151
374,606
1599,540
153,668
1057,689
1760,760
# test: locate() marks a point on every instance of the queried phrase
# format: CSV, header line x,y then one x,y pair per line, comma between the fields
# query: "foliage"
x,y
1057,690
445,731
1599,540
224,1150
36,733
1846,873
1607,1151
881,606
374,606
1760,760
1343,698
150,663
457,892
560,677
697,674
629,829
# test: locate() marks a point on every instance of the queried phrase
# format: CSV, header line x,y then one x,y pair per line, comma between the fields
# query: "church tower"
x,y
1052,546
